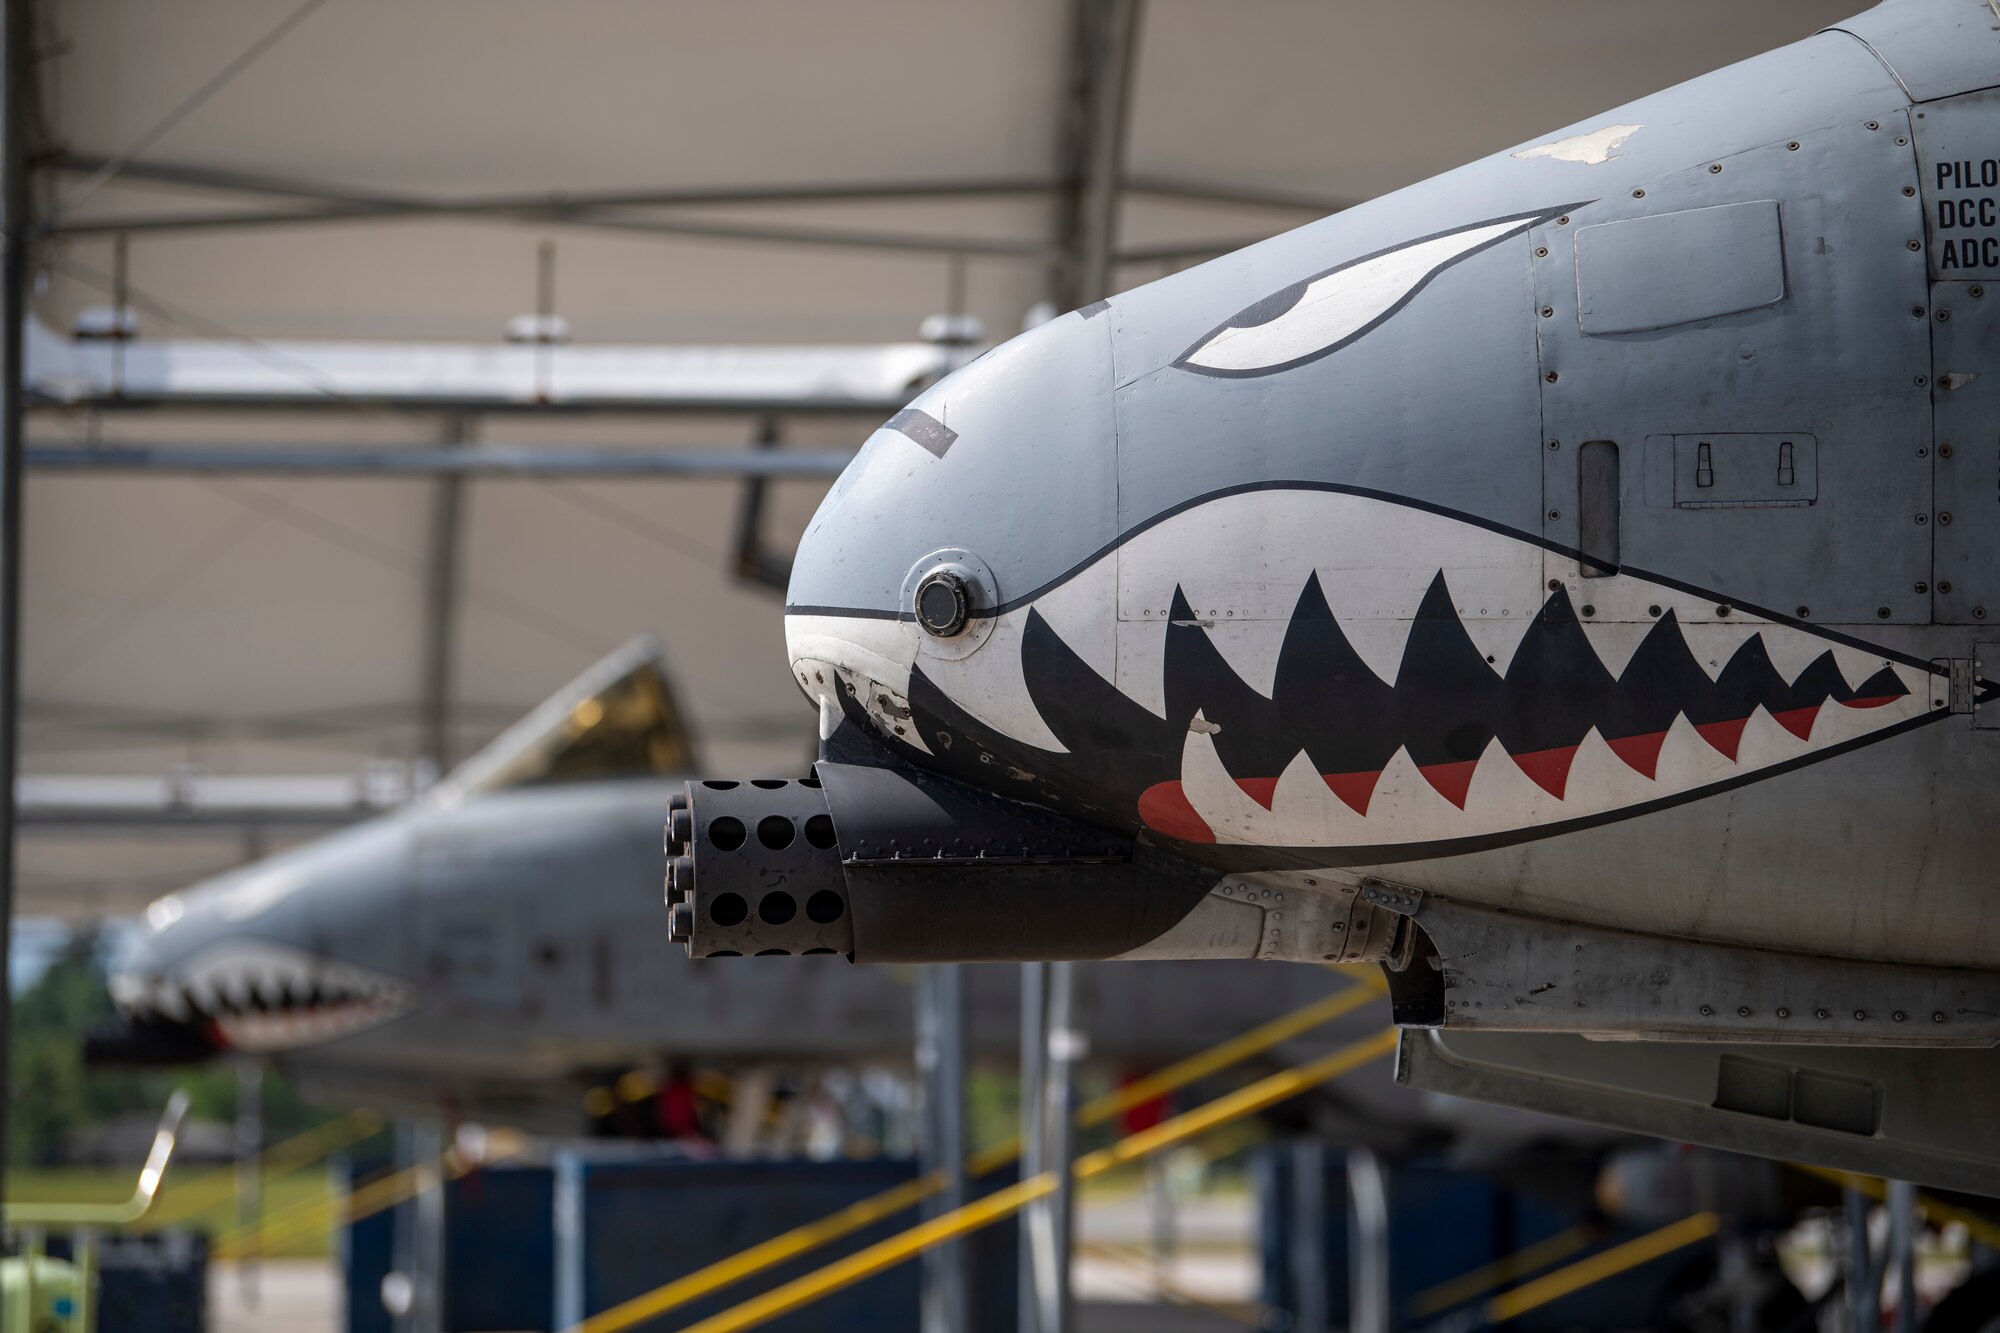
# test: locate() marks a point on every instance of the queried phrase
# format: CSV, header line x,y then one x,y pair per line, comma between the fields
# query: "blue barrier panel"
x,y
624,1228
639,1224
499,1246
533,1249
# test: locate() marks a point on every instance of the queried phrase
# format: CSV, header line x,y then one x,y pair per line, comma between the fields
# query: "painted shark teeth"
x,y
264,997
1451,710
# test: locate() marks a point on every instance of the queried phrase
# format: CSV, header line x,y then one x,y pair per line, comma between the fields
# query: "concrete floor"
x,y
1209,1285
303,1296
291,1296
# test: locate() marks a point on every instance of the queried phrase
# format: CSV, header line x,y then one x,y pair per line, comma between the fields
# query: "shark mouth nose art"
x,y
262,997
1382,704
1448,709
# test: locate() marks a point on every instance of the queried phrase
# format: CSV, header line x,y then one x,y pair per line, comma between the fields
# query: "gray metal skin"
x,y
510,946
1463,406
1586,558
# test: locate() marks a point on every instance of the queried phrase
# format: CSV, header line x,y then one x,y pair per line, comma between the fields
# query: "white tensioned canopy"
x,y
218,661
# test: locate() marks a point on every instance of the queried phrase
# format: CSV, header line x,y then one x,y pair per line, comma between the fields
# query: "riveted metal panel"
x,y
1843,359
1965,337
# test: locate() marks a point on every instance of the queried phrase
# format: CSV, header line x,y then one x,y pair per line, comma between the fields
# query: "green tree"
x,y
54,1093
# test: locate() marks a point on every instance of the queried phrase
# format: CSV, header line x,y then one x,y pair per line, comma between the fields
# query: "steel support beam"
x,y
914,243
16,105
1239,196
1368,1258
440,627
1065,281
307,400
946,1290
418,1234
331,205
1903,1226
526,462
1116,45
335,203
249,1171
321,202
1050,1047
206,820
1090,153
1034,1096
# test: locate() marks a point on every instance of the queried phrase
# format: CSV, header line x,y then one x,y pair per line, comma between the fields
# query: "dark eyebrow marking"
x,y
924,428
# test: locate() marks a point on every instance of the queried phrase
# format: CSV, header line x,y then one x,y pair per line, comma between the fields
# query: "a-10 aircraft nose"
x,y
981,492
246,961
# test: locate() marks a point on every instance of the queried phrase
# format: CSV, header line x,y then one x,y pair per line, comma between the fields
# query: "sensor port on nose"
x,y
944,604
950,603
759,872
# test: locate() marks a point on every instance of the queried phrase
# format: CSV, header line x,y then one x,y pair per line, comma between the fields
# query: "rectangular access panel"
x,y
1656,271
1723,470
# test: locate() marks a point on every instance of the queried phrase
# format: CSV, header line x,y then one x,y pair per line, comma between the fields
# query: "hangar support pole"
x,y
249,1172
440,628
1034,1144
14,224
946,1304
1117,42
1090,153
1368,1295
1058,1124
1903,1251
1104,41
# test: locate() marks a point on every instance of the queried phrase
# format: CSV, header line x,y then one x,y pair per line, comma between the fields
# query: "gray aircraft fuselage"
x,y
1572,580
1589,532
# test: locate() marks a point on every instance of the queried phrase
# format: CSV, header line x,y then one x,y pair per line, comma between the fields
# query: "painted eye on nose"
x,y
1319,315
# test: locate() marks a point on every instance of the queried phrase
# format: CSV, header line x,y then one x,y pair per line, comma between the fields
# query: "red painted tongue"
x,y
1798,721
1261,790
1451,780
1724,736
1548,768
1354,789
1640,753
1165,808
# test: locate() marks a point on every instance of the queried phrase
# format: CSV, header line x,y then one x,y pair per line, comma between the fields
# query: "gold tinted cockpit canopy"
x,y
616,720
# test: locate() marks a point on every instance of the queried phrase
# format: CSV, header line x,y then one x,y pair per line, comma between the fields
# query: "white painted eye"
x,y
1319,315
